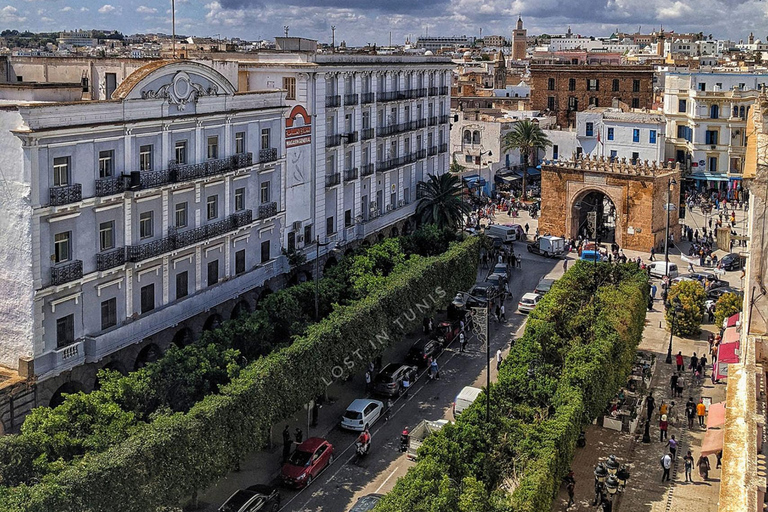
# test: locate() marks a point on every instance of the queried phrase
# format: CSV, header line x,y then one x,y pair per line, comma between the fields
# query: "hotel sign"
x,y
298,127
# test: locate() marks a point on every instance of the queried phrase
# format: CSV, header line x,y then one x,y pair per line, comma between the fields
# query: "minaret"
x,y
519,41
660,42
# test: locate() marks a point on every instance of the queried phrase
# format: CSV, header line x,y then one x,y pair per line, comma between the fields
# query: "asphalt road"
x,y
350,476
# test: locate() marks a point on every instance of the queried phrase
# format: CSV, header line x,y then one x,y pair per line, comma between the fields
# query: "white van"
x,y
464,399
506,233
659,269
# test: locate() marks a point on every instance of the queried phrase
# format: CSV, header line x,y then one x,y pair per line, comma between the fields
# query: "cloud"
x,y
399,6
9,14
106,9
84,9
142,9
66,9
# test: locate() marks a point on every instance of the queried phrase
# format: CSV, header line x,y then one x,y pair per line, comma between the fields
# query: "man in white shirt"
x,y
666,464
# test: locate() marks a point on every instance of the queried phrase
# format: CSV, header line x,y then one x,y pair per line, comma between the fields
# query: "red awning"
x,y
716,415
713,441
730,335
731,321
728,352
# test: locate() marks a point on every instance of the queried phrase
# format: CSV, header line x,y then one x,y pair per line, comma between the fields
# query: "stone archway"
x,y
212,322
67,388
606,216
148,354
116,366
394,233
407,228
329,263
266,292
242,308
183,337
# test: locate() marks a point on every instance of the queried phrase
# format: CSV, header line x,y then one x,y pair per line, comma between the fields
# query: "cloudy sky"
x,y
371,21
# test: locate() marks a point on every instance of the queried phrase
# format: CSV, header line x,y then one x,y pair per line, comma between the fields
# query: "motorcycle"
x,y
363,444
404,440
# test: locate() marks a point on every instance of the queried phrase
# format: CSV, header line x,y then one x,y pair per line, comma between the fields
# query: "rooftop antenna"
x,y
333,37
285,29
173,27
390,39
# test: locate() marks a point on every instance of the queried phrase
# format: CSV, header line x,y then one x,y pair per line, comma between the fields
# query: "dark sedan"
x,y
256,498
422,350
731,261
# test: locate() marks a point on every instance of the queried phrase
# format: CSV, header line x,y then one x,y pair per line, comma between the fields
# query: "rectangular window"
x,y
265,136
347,218
680,131
593,102
240,262
635,157
291,241
573,103
213,272
330,225
551,103
65,330
710,137
701,87
265,193
147,298
652,137
635,135
593,84
307,234
610,134
182,284
265,251
212,207
181,215
712,164
106,236
62,247
555,152
614,155
615,87
635,85
635,102
146,225
551,84
61,171
590,130
145,157
571,84
106,164
239,199
180,149
289,84
682,105
213,147
239,143
108,313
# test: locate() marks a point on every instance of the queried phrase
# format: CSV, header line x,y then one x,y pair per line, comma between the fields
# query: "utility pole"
x,y
173,27
285,29
333,38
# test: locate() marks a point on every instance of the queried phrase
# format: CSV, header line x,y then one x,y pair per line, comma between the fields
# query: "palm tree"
x,y
441,202
527,137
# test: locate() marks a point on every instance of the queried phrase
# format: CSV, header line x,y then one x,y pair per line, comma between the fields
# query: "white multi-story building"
x,y
369,129
706,122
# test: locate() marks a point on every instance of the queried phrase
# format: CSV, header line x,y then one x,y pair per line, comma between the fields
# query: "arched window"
x,y
476,137
736,111
741,112
714,112
467,137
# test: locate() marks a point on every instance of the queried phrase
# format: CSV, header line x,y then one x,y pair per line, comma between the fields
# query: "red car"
x,y
306,462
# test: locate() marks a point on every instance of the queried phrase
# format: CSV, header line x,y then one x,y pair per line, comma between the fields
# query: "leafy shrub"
x,y
692,296
727,305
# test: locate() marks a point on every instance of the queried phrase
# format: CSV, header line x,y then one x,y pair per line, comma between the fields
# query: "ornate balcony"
x,y
387,96
267,210
350,99
350,174
443,148
420,93
151,179
187,172
66,272
384,131
65,194
432,151
267,155
367,169
331,180
332,141
444,118
367,97
110,186
433,91
367,133
350,138
444,89
422,123
110,259
433,121
422,153
332,101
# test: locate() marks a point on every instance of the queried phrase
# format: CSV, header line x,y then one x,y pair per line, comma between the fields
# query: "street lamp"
x,y
669,207
592,226
480,163
678,308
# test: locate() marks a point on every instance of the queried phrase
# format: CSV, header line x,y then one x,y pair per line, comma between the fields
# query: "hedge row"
x,y
176,455
576,352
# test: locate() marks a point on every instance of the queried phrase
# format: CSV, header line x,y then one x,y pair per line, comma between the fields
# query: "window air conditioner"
x,y
297,225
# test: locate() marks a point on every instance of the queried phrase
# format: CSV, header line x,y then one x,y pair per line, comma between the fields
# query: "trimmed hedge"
x,y
174,456
576,352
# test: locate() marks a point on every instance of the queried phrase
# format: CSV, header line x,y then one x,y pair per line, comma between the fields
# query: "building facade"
x,y
564,90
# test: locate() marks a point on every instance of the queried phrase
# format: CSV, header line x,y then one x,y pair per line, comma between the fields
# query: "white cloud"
x,y
676,10
143,9
66,9
84,9
9,14
106,9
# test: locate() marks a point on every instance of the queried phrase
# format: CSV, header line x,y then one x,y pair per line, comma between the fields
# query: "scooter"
x,y
362,448
404,440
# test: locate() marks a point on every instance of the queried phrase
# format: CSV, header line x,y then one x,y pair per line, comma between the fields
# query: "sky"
x,y
372,21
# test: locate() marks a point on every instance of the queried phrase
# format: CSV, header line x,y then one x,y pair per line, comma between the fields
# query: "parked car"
x,y
496,240
479,295
256,498
544,286
422,350
731,261
464,399
366,503
528,302
659,269
389,381
361,414
446,332
497,282
719,292
307,461
500,270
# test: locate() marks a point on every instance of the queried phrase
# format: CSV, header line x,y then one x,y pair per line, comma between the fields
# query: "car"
x,y
389,381
307,461
500,269
497,282
544,286
719,292
256,498
366,503
660,268
361,414
496,240
731,261
479,295
712,280
446,332
422,350
528,302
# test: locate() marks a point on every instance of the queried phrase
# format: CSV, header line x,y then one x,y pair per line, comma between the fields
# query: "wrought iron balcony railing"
x,y
65,194
444,89
110,186
110,259
267,155
422,123
433,91
367,169
333,140
333,101
367,97
187,172
367,133
432,121
332,180
350,99
443,148
444,118
350,137
432,151
350,174
66,272
387,130
267,210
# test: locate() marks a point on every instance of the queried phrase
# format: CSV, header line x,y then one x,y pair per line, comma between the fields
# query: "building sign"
x,y
298,127
297,141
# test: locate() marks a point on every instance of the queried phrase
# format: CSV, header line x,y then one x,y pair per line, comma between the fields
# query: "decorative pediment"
x,y
181,90
181,83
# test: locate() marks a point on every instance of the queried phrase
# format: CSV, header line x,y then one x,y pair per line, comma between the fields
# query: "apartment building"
x,y
367,130
134,223
706,116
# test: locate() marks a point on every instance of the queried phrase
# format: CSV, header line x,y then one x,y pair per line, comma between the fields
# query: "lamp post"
x,y
480,163
669,207
610,477
677,309
592,227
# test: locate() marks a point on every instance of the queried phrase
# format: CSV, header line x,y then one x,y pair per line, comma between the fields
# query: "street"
x,y
350,477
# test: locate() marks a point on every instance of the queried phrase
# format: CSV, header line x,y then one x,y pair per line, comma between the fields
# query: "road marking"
x,y
387,480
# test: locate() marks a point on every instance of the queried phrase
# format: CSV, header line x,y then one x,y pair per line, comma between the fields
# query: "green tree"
x,y
692,296
526,137
727,305
441,202
456,167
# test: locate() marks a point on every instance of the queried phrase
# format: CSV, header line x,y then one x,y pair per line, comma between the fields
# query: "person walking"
x,y
679,361
663,408
519,261
570,486
286,443
367,381
499,359
654,289
462,342
503,313
701,411
434,370
703,465
406,385
694,363
565,265
650,404
673,383
690,412
666,465
663,426
653,254
688,460
672,443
